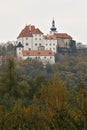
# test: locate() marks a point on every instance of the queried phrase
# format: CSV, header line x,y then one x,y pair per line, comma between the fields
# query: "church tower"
x,y
53,28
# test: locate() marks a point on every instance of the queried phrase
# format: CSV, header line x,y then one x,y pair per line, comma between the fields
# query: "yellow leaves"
x,y
76,115
54,97
55,94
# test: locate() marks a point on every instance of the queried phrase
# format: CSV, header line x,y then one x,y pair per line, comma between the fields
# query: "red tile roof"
x,y
62,35
29,30
58,35
37,53
50,37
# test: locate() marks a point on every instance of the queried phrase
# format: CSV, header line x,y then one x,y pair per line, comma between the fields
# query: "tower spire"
x,y
53,28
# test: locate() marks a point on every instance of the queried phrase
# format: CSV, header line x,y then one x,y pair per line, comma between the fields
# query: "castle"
x,y
33,44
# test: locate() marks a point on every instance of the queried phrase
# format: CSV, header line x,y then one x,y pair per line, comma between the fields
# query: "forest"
x,y
34,97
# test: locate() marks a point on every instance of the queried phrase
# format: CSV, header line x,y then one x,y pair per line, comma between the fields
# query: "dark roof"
x,y
19,45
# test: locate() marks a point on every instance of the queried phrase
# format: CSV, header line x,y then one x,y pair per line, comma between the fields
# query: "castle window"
x,y
26,38
54,44
46,44
35,44
38,57
50,44
45,57
29,48
39,53
26,44
39,44
28,53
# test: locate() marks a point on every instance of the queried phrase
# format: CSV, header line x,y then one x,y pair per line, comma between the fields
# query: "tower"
x,y
53,28
19,49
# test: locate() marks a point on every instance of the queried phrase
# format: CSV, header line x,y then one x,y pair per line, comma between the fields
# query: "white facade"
x,y
50,44
19,52
43,59
27,42
32,43
37,41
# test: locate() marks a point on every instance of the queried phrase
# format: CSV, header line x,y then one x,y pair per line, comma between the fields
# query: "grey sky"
x,y
70,17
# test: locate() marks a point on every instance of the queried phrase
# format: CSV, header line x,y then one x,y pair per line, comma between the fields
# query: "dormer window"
x,y
27,53
49,52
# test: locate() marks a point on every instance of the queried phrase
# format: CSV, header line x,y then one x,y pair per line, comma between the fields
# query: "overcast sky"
x,y
70,17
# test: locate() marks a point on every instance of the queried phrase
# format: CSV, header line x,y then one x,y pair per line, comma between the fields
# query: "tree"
x,y
53,101
8,83
9,75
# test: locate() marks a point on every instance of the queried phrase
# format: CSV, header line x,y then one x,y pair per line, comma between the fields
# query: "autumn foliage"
x,y
55,99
